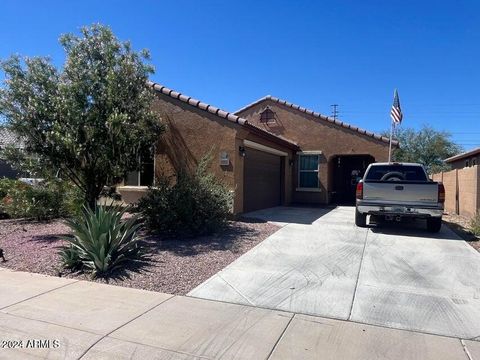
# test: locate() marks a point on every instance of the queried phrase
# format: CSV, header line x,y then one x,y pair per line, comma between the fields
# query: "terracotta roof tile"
x,y
319,116
203,106
8,137
216,111
184,98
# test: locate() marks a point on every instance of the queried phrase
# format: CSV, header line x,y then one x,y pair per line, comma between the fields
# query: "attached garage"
x,y
263,181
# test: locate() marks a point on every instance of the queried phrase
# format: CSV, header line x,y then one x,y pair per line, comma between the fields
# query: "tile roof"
x,y
8,137
319,116
464,155
219,112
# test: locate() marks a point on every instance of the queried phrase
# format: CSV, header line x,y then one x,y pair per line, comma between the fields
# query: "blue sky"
x,y
313,53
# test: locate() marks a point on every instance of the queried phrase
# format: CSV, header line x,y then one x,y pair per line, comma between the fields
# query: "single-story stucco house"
x,y
464,160
269,153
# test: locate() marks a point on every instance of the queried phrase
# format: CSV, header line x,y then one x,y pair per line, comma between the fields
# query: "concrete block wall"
x,y
462,190
468,191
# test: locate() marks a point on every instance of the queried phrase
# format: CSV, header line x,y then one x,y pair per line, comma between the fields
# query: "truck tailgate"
x,y
401,193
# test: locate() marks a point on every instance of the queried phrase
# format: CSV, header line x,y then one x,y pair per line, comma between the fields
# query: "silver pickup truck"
x,y
398,190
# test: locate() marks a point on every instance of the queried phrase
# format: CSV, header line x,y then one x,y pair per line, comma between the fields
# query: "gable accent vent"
x,y
267,116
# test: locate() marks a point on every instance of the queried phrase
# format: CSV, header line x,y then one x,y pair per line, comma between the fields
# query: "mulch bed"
x,y
174,266
461,226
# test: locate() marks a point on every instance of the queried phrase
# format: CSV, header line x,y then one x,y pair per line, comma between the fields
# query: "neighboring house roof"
x,y
464,155
8,137
319,116
222,114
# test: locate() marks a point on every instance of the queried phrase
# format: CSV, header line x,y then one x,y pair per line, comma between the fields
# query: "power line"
x,y
334,111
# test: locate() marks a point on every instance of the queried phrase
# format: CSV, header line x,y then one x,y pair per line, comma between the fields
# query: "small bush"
x,y
195,204
101,241
475,225
72,199
14,200
42,203
6,185
50,200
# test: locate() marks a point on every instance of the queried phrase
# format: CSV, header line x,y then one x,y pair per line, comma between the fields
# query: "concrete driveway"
x,y
320,264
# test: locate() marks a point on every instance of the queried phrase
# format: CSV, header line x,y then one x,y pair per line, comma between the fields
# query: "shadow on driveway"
x,y
411,228
290,214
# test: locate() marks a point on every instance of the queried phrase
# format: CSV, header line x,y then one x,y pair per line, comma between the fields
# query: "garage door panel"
x,y
262,180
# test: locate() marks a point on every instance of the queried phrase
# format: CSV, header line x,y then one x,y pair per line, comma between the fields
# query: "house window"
x,y
308,171
267,116
467,163
474,162
145,175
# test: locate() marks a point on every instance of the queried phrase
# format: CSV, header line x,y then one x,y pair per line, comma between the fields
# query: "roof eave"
x,y
220,113
462,156
319,116
275,139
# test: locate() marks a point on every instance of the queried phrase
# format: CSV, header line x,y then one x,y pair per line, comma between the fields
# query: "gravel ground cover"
x,y
174,266
461,226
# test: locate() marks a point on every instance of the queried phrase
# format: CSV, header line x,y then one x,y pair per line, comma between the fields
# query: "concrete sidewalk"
x,y
55,318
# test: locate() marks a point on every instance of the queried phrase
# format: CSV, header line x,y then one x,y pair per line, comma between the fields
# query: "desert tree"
x,y
427,146
89,119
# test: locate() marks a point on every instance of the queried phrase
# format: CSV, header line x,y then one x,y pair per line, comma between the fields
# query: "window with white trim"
x,y
308,171
145,174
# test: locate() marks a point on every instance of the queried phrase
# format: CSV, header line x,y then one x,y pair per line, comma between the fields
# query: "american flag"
x,y
396,112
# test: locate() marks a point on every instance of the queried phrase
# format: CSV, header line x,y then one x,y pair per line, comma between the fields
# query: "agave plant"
x,y
101,241
70,258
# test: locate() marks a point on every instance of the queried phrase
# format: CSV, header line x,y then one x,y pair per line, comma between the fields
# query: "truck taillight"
x,y
441,193
359,192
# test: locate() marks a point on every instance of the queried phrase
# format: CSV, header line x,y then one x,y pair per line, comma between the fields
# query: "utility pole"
x,y
334,111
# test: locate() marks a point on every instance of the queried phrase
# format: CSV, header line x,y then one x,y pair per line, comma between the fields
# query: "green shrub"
x,y
195,204
14,197
5,185
475,225
42,203
72,199
49,200
101,241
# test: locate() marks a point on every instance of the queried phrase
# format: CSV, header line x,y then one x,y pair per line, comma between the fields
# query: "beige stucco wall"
x,y
462,190
190,134
311,133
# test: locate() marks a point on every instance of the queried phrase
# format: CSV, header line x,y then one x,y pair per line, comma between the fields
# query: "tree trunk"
x,y
91,197
90,201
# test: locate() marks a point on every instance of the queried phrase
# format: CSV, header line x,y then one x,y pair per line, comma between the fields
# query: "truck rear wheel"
x,y
434,224
360,219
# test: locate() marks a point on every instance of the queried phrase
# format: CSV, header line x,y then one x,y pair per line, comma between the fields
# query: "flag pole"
x,y
390,144
396,115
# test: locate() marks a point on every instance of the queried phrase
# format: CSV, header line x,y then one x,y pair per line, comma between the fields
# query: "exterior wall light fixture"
x,y
241,150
